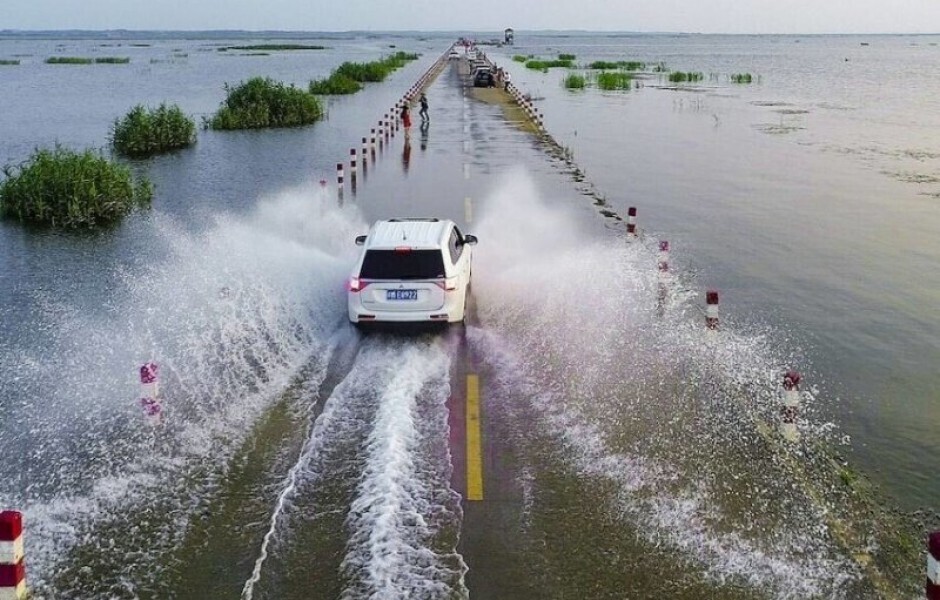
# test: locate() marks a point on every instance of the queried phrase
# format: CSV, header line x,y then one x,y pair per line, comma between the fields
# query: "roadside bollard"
x,y
663,259
791,406
631,223
12,562
372,143
933,566
352,161
365,152
339,175
711,309
149,393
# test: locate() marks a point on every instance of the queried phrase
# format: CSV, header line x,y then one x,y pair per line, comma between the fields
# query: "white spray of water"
x,y
231,315
389,553
582,313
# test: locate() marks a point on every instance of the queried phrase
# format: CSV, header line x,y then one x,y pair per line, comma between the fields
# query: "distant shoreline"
x,y
176,34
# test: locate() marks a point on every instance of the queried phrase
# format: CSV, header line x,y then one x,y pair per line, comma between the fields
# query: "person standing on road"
x,y
506,78
424,109
406,119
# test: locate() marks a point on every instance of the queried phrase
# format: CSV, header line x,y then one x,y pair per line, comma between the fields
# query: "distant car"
x,y
483,78
453,55
411,271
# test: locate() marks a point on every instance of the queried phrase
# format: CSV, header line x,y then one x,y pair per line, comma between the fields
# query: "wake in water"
x,y
640,395
231,315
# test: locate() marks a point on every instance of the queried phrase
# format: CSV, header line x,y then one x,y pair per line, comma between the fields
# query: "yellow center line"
x,y
474,447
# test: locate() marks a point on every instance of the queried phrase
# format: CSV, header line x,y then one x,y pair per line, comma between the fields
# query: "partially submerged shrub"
x,y
566,57
575,82
145,132
263,102
520,58
603,64
374,71
112,60
741,78
68,189
544,65
9,62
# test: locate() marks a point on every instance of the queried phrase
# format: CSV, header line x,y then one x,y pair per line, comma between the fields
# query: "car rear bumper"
x,y
450,312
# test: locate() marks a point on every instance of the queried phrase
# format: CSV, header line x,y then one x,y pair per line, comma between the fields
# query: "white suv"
x,y
411,270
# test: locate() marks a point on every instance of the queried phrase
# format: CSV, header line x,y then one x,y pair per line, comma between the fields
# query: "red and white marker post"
x,y
933,566
365,153
631,223
149,394
790,409
711,309
352,161
12,562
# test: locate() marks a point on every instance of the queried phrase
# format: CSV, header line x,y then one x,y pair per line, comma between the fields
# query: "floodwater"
x,y
628,451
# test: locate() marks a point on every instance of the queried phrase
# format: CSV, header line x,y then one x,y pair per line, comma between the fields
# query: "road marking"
x,y
468,209
474,447
466,170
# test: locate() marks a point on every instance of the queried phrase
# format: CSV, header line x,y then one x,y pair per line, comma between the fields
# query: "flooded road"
x,y
584,435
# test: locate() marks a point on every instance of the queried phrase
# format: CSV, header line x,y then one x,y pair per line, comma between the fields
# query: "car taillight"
x,y
448,285
356,284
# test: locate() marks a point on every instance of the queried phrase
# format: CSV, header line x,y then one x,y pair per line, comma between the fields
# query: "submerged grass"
x,y
67,189
9,62
686,76
544,65
614,80
566,57
273,47
145,132
68,60
349,76
262,102
112,60
741,78
626,65
575,82
521,59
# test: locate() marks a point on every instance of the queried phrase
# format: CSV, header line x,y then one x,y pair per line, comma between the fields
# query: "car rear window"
x,y
395,264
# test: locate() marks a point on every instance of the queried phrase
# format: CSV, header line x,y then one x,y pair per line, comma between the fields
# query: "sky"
x,y
701,16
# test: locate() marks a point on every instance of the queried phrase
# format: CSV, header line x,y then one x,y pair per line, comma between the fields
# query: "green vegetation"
x,y
521,59
335,84
9,62
68,189
687,76
79,60
263,102
566,57
349,76
112,60
741,78
627,65
614,80
575,82
272,47
544,65
660,68
68,60
145,132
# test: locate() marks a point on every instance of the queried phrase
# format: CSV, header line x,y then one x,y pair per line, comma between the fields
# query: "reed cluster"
x,y
741,78
520,58
262,102
81,60
575,82
9,63
686,76
147,131
73,190
566,57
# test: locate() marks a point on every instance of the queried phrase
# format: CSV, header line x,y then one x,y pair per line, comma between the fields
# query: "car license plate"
x,y
401,294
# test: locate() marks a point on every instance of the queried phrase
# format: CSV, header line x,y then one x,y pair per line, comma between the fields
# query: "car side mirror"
x,y
470,239
360,240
